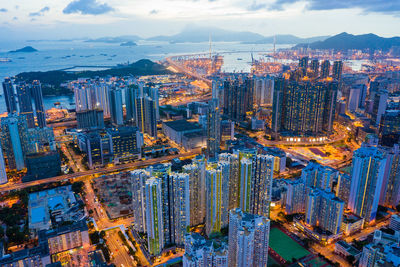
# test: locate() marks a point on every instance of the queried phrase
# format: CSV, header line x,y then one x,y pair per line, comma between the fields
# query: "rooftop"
x,y
182,125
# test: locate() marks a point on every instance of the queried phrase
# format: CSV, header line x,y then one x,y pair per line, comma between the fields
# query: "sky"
x,y
59,19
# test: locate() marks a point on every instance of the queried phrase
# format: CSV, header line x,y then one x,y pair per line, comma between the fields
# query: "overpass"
x,y
87,174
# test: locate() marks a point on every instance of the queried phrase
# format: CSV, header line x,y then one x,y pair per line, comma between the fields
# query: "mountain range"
x,y
345,41
195,34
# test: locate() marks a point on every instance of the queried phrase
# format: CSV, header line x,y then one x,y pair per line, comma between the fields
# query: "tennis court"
x,y
286,247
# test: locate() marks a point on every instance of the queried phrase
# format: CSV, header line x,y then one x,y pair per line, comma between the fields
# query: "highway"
x,y
107,170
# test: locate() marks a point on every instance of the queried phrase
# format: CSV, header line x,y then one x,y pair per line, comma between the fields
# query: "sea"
x,y
82,55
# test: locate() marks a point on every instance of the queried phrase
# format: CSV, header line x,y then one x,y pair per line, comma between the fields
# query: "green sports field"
x,y
286,247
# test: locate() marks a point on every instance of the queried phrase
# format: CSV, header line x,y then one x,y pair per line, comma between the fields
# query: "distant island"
x,y
52,80
129,43
113,40
345,41
26,49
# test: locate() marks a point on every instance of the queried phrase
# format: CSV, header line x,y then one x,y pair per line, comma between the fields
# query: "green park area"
x,y
286,247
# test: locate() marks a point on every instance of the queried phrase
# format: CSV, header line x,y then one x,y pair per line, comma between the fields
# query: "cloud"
x,y
368,6
3,10
15,18
256,6
154,12
40,12
87,7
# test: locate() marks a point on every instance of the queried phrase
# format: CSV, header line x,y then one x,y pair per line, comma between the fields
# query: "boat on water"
x,y
239,58
4,59
57,103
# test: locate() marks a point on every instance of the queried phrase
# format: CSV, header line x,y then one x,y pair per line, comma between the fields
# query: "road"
x,y
86,174
120,255
367,231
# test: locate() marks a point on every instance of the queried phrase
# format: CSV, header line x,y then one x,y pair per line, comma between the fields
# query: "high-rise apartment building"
x,y
248,239
138,181
390,192
343,185
14,130
217,196
325,68
303,107
9,95
25,103
337,70
196,174
180,206
3,174
295,196
324,209
115,98
238,97
315,67
367,173
234,180
213,129
154,216
316,175
200,252
37,96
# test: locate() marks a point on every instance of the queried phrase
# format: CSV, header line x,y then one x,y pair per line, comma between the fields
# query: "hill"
x,y
202,34
345,41
51,80
113,40
289,39
26,49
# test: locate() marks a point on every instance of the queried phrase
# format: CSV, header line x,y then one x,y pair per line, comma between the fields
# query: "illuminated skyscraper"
x,y
245,184
295,196
180,206
150,117
25,103
3,174
38,100
325,69
9,96
304,107
367,173
233,160
217,196
337,70
248,239
213,129
261,184
324,210
200,252
238,97
14,140
315,67
115,97
138,178
196,174
390,192
162,172
131,94
343,187
316,175
303,65
154,216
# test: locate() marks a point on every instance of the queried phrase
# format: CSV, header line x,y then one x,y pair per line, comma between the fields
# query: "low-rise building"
x,y
351,223
344,249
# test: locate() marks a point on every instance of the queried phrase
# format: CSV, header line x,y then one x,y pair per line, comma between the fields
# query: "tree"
x,y
350,259
77,187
